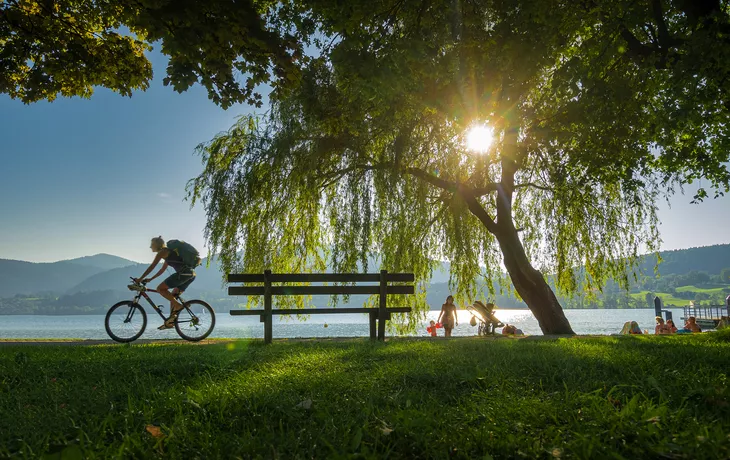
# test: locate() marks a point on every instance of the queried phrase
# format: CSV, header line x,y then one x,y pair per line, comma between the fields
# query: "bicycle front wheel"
x,y
195,321
125,321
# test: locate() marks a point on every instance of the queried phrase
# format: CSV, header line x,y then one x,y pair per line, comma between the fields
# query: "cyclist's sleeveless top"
x,y
175,261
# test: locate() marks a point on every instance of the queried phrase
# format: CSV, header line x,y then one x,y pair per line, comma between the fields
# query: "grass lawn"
x,y
715,290
610,397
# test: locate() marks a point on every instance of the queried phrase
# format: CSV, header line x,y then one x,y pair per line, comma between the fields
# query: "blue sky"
x,y
84,176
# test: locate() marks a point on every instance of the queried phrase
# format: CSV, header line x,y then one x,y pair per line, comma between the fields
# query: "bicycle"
x,y
126,321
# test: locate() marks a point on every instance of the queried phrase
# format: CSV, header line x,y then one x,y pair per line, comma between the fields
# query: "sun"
x,y
479,138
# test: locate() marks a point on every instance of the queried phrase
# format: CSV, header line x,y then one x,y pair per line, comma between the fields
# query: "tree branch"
x,y
433,180
534,185
663,42
486,190
465,192
478,210
494,187
664,39
636,49
334,176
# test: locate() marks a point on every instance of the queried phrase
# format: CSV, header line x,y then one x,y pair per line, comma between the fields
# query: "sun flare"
x,y
479,138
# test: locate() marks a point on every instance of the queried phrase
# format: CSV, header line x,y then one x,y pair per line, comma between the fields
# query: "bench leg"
x,y
268,328
373,324
382,322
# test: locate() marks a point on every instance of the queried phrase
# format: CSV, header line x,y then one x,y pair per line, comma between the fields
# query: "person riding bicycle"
x,y
183,258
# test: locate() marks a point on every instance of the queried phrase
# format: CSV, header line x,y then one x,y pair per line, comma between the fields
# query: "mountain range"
x,y
20,277
104,272
83,281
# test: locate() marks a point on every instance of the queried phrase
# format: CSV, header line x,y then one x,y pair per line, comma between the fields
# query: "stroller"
x,y
484,314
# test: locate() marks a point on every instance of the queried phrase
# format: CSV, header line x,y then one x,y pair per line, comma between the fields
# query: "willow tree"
x,y
368,153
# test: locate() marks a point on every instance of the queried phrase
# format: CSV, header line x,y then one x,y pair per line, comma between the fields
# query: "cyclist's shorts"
x,y
180,280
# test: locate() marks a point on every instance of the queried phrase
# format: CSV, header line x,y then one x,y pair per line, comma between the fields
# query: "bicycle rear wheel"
x,y
195,321
125,321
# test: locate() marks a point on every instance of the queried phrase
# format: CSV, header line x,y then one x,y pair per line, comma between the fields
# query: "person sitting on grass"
x,y
631,327
672,327
635,329
509,330
691,325
183,258
661,326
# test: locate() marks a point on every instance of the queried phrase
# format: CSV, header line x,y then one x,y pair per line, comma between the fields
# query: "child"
x,y
432,329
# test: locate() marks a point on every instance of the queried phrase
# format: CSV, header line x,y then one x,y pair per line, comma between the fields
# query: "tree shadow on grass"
x,y
425,399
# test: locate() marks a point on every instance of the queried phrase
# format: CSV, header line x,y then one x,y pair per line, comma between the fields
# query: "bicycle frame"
x,y
142,293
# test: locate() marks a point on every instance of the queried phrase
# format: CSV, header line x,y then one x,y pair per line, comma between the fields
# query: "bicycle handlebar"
x,y
136,285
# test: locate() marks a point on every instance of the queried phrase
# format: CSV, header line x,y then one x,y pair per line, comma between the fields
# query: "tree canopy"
x,y
596,108
68,47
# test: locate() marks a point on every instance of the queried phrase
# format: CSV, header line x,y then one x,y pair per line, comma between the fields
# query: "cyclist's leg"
x,y
188,277
178,282
171,282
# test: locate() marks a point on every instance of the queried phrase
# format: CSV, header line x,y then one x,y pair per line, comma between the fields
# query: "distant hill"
x,y
710,259
18,277
103,261
208,279
115,279
95,280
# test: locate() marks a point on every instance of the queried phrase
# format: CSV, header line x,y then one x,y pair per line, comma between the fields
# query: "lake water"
x,y
342,325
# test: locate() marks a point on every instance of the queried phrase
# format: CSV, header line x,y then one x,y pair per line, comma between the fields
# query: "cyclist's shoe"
x,y
170,322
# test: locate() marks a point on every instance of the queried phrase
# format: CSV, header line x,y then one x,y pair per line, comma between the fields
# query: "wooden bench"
x,y
265,288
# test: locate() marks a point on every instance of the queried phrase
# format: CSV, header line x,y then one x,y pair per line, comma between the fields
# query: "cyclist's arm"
x,y
152,266
162,270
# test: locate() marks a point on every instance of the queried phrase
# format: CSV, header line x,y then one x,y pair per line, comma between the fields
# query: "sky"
x,y
104,175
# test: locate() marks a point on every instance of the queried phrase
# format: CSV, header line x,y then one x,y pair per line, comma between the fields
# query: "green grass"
x,y
715,290
668,299
612,397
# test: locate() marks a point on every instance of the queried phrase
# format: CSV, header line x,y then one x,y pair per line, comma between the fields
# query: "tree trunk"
x,y
531,286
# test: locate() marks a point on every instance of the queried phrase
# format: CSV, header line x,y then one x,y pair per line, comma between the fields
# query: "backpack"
x,y
186,251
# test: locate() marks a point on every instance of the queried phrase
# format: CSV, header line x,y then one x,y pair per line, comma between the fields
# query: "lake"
x,y
343,325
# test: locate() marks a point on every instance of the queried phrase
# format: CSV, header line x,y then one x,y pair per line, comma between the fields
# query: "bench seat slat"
x,y
311,311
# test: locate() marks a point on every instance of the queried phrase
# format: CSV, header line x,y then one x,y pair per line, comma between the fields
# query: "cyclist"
x,y
183,258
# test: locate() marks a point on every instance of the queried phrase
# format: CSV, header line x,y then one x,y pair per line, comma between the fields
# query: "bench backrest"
x,y
268,278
